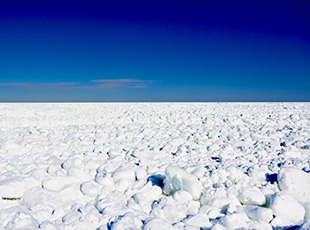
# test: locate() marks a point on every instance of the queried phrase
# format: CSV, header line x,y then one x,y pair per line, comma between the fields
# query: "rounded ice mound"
x,y
78,173
73,163
127,221
37,198
58,183
296,183
47,225
104,180
157,224
124,174
17,186
258,213
200,220
286,209
22,221
258,174
251,196
235,221
169,212
221,202
178,179
90,188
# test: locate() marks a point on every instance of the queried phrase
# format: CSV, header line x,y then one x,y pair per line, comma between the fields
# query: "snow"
x,y
251,196
295,182
234,221
286,209
90,188
157,224
15,187
200,220
178,179
259,213
155,166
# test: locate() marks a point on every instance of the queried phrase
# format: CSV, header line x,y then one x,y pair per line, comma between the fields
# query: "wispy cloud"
x,y
98,84
19,84
122,83
122,80
39,85
59,84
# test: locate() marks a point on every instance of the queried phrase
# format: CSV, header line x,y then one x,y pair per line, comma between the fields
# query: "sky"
x,y
154,51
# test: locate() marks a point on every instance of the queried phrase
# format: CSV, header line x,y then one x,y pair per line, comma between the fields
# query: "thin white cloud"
x,y
98,84
19,84
122,83
59,84
40,85
122,80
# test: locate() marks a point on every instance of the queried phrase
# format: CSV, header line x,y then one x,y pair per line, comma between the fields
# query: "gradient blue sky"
x,y
155,51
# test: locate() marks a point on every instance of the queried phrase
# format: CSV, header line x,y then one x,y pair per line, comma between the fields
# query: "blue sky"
x,y
155,51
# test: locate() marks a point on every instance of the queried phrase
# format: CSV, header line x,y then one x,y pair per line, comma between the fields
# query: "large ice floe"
x,y
155,166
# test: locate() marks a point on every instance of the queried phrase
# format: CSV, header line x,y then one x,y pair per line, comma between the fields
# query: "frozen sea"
x,y
154,166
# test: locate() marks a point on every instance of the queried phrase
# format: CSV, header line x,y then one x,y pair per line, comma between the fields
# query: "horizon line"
x,y
85,102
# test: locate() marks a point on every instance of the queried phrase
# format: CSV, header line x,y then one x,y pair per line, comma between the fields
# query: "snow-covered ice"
x,y
155,166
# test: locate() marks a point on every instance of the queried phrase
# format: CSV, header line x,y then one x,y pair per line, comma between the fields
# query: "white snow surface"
x,y
154,166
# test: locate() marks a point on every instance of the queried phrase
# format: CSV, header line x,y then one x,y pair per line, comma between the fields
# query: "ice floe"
x,y
155,166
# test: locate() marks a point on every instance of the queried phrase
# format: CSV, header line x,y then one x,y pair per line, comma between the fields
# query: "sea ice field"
x,y
154,166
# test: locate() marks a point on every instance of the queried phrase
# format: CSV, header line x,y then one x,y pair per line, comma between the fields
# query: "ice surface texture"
x,y
155,166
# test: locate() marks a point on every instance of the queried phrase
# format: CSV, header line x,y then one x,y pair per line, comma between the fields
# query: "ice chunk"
x,y
146,196
182,196
259,226
140,173
258,213
235,221
178,179
17,186
218,227
251,196
114,198
200,220
36,199
219,202
127,221
22,221
47,225
58,183
104,180
123,185
124,174
157,224
78,173
73,163
169,213
172,209
307,208
71,193
292,153
286,208
184,201
74,215
236,175
150,192
198,171
90,188
258,174
141,200
296,183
